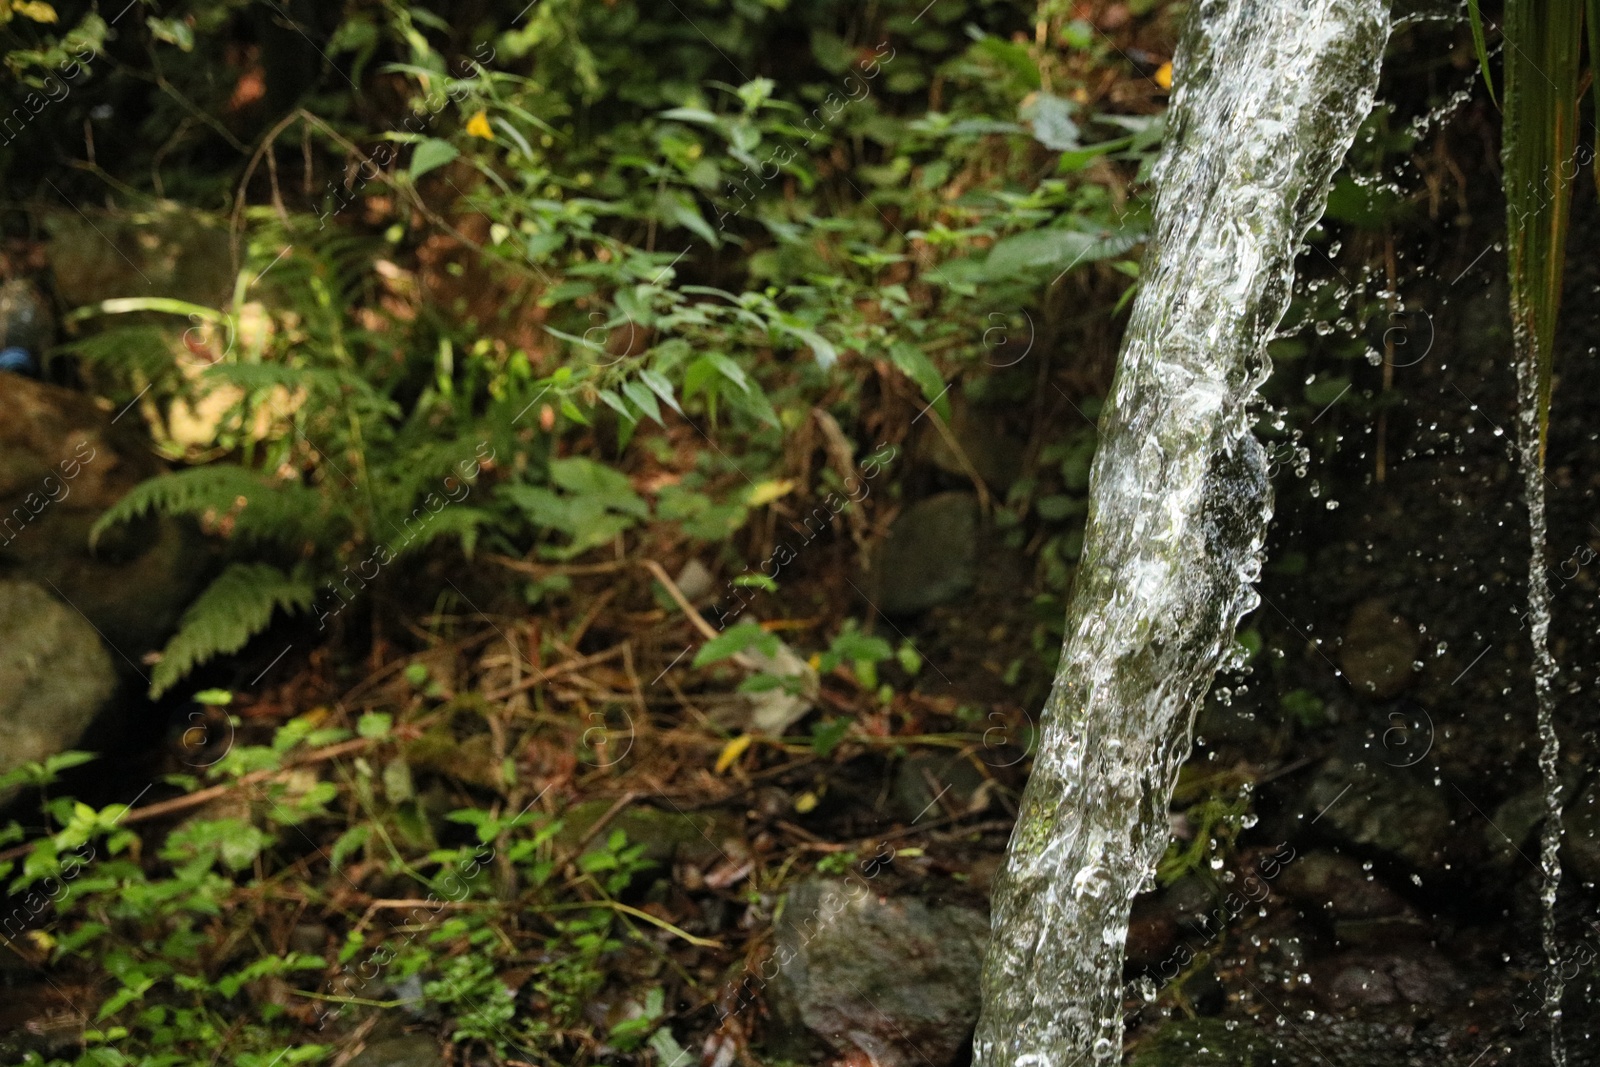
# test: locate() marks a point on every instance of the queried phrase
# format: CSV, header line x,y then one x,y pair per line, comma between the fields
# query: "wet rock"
x,y
1152,935
1324,1043
310,939
930,556
62,463
55,675
1160,919
926,780
896,980
1396,811
1378,650
1510,834
412,1050
1363,910
1581,844
1420,977
995,456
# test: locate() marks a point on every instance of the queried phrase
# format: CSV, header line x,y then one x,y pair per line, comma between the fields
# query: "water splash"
x,y
1269,97
1544,678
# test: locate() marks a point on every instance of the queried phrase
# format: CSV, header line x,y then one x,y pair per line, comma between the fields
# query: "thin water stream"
x,y
1269,96
1544,676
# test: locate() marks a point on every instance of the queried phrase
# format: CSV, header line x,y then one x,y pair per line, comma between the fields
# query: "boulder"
x,y
171,252
55,675
1398,812
1378,650
896,979
930,556
63,462
996,456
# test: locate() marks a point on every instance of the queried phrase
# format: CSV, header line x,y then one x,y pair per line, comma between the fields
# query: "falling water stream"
x,y
1544,676
1269,95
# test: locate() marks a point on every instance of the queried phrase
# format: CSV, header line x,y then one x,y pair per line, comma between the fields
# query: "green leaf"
x,y
641,395
661,387
375,724
916,365
730,370
585,477
825,736
692,114
1054,251
1475,18
738,638
1542,70
821,348
1057,508
431,155
676,206
1014,58
1052,122
1074,160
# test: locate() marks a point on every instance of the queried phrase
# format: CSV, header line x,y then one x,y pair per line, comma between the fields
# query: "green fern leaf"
x,y
233,609
285,512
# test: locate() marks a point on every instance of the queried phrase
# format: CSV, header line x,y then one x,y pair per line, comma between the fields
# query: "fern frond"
x,y
423,527
285,512
233,609
133,351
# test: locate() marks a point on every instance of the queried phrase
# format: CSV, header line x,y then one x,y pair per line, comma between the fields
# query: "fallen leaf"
x,y
732,751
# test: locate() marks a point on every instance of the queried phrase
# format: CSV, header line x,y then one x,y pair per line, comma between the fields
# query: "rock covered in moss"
x,y
896,979
54,675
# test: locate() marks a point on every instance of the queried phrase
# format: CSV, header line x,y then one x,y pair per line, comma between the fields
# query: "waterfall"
x,y
1269,95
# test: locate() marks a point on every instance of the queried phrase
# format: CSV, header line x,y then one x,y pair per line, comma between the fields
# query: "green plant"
x,y
1215,822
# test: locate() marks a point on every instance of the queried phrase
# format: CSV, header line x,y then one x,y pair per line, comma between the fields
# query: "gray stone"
x,y
995,456
26,322
1378,650
930,556
1338,887
54,675
62,464
1510,833
693,837
1396,811
1324,1043
925,777
97,256
1581,842
412,1050
895,979
1421,976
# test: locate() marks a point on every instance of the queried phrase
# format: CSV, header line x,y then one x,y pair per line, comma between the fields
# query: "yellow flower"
x,y
478,126
1164,76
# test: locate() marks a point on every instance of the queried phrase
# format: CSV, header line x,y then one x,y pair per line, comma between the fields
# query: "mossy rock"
x,y
667,836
